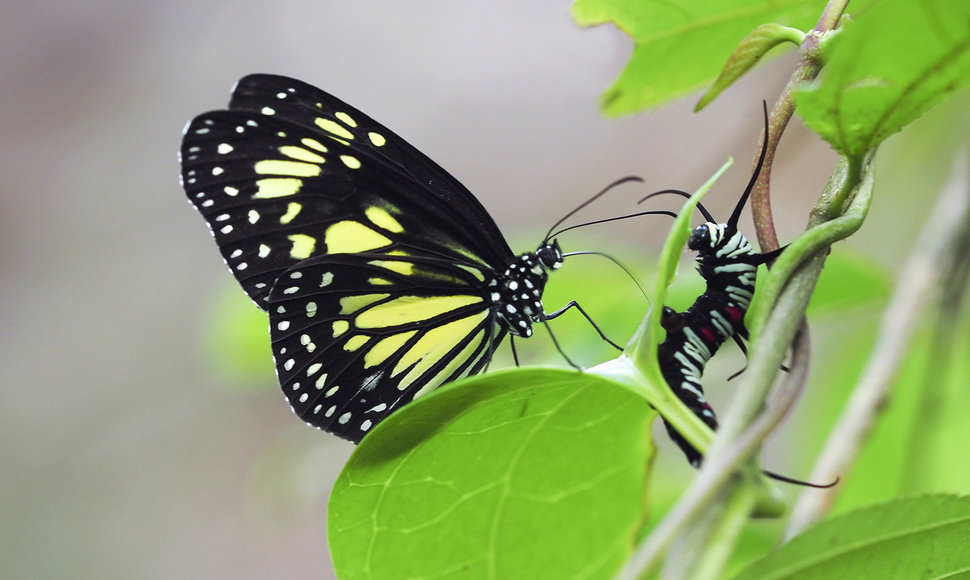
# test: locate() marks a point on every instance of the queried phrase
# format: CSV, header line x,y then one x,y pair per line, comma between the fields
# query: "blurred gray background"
x,y
123,454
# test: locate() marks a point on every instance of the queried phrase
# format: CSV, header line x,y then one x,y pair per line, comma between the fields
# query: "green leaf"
x,y
525,473
681,45
921,537
896,61
754,46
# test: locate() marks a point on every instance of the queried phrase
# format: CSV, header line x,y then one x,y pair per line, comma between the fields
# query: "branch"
x,y
809,65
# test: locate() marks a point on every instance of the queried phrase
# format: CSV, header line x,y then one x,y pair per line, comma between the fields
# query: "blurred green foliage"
x,y
922,537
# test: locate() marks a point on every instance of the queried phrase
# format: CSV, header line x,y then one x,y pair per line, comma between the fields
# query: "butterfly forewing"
x,y
355,336
391,164
287,162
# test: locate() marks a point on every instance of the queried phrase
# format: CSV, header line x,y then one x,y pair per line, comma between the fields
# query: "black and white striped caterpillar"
x,y
729,266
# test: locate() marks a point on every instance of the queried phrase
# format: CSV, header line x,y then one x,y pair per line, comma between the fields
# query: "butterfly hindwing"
x,y
355,336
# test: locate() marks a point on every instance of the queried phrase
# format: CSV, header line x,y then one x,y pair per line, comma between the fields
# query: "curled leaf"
x,y
754,46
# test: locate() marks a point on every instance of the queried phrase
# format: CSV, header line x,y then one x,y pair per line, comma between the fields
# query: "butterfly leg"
x,y
559,348
572,304
515,355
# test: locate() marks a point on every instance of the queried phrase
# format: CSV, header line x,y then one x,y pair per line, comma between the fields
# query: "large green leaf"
x,y
526,473
681,45
921,537
896,61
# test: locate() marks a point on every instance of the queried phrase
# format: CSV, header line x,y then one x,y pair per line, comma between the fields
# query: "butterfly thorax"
x,y
516,294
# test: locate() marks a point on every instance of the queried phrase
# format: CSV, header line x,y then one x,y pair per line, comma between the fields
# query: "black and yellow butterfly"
x,y
383,277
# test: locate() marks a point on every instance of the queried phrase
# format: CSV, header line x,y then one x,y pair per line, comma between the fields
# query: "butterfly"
x,y
382,275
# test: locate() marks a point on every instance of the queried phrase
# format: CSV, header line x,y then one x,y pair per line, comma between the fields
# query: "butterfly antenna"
x,y
778,477
733,221
620,181
700,207
612,219
615,261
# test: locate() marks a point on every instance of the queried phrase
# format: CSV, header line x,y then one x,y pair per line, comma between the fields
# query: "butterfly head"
x,y
550,255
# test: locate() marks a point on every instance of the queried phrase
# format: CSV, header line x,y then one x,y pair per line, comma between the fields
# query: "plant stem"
x,y
809,66
782,318
790,284
919,277
853,169
718,472
725,527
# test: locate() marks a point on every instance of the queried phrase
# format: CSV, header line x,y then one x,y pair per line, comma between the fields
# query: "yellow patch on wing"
x,y
303,246
283,167
350,161
314,144
459,359
465,252
347,119
405,268
377,139
380,217
386,348
334,128
379,282
409,309
435,344
277,187
473,271
350,237
291,212
351,304
355,342
301,154
340,327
